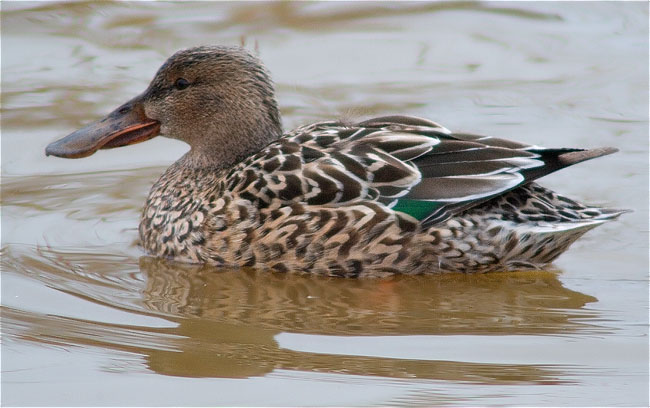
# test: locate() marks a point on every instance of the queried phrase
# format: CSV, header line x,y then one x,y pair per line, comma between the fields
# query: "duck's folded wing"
x,y
465,170
455,180
409,164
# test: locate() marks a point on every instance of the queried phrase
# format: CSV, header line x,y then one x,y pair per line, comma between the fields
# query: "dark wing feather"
x,y
466,170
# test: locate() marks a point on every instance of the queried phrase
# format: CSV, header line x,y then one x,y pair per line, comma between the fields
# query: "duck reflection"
x,y
503,303
230,318
225,322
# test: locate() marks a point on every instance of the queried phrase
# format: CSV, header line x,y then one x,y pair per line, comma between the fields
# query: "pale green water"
x,y
87,320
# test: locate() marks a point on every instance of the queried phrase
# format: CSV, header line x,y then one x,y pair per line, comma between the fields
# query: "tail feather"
x,y
557,159
608,214
571,158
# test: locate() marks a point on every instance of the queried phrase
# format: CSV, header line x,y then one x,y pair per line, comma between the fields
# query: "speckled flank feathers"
x,y
393,194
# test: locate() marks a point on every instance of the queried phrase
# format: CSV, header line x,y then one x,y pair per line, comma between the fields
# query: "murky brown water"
x,y
88,320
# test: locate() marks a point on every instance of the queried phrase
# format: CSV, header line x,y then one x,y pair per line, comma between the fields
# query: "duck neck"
x,y
228,148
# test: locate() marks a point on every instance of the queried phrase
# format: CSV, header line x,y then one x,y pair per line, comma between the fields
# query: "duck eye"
x,y
181,83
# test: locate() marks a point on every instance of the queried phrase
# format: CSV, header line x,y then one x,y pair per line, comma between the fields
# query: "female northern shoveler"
x,y
391,194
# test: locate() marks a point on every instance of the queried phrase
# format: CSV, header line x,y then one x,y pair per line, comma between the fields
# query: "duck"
x,y
382,196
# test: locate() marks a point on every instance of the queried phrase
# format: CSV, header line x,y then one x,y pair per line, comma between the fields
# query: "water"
x,y
88,320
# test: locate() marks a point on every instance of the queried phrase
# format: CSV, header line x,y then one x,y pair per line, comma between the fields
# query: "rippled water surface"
x,y
87,319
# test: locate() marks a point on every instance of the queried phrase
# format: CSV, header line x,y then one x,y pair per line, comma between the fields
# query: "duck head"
x,y
219,100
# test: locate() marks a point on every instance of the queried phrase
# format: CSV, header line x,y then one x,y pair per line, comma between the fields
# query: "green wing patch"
x,y
419,209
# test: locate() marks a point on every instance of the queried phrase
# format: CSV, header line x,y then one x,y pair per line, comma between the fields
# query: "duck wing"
x,y
409,164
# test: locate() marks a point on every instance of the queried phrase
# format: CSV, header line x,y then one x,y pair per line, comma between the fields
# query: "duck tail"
x,y
607,214
557,159
574,157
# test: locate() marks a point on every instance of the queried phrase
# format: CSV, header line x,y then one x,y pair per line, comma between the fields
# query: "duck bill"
x,y
126,125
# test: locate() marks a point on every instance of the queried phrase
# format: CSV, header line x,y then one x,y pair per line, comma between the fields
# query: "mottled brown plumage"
x,y
395,194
